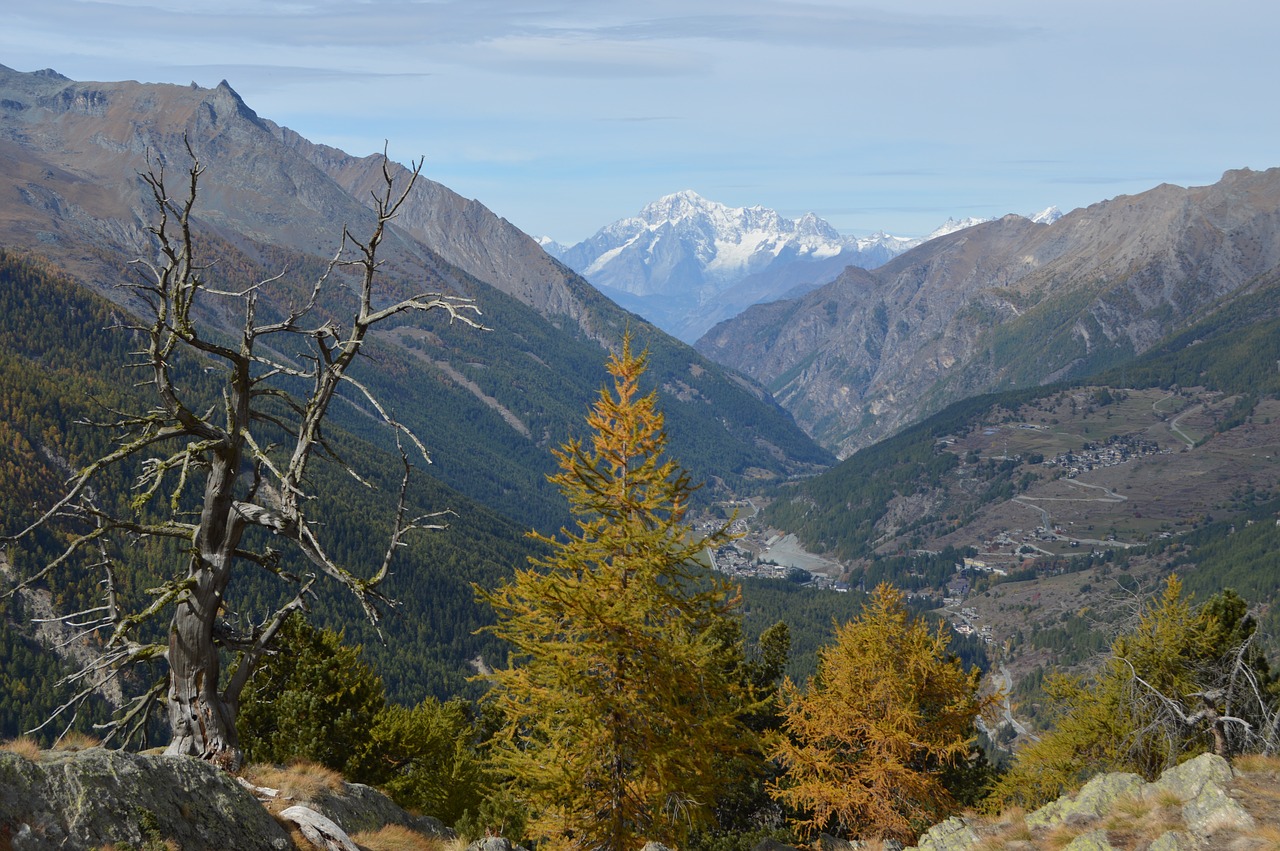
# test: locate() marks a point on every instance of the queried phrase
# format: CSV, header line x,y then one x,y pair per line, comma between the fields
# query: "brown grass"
x,y
76,741
1136,821
1256,763
395,837
300,780
1267,836
1010,828
1061,836
23,746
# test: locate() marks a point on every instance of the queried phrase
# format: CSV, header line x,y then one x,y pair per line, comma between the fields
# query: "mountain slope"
x,y
937,478
1005,303
490,403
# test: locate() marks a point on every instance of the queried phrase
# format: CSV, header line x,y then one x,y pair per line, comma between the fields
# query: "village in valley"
x,y
1099,472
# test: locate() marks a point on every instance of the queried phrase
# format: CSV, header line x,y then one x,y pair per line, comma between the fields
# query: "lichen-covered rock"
x,y
501,843
1172,840
97,797
954,834
1190,778
1214,810
1094,840
359,808
1097,797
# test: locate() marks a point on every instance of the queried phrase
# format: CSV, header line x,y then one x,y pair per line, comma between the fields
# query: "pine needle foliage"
x,y
619,703
868,741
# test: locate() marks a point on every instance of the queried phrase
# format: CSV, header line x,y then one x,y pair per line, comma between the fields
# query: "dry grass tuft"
x,y
23,746
1061,836
1266,837
1010,828
299,841
76,741
300,780
1256,763
396,837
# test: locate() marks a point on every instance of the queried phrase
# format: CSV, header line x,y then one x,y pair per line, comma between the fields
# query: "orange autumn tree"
x,y
619,703
866,744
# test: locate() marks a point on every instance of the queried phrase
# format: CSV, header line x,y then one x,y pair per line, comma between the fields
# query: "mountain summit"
x,y
686,262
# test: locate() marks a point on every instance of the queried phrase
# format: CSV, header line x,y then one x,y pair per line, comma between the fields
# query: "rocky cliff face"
x,y
70,157
1006,303
462,231
72,152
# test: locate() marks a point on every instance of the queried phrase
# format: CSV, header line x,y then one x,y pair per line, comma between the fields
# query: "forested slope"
x,y
62,362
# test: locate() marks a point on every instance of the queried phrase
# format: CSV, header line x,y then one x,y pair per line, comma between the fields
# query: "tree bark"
x,y
203,724
202,721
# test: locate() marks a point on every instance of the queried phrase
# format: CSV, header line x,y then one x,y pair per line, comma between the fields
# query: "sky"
x,y
563,116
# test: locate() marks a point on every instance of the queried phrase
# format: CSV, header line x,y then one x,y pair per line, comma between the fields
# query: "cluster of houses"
x,y
1118,449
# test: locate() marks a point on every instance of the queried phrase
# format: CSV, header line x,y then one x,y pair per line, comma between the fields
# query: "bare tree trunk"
x,y
202,721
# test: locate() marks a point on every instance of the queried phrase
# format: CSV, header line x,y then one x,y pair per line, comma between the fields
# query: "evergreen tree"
x,y
620,703
320,702
870,739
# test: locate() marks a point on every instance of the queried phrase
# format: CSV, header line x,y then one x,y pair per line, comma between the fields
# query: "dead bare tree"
x,y
217,455
1230,703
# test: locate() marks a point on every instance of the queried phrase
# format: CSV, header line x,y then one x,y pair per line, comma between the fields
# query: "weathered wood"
x,y
320,831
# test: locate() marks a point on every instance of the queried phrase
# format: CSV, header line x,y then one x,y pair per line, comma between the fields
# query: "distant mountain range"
x,y
686,263
1006,303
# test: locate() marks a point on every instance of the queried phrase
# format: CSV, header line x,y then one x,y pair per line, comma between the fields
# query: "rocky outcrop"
x,y
94,798
1192,806
87,799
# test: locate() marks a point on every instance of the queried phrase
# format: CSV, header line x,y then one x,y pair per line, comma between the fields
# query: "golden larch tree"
x,y
619,704
866,744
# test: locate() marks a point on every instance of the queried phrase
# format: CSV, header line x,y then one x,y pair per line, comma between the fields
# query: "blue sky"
x,y
564,115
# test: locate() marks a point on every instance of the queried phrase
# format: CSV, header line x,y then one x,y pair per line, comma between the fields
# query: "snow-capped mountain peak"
x,y
1047,216
953,225
549,245
684,261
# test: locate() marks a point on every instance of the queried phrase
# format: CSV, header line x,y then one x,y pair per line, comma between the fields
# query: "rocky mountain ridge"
x,y
686,262
1005,303
70,158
